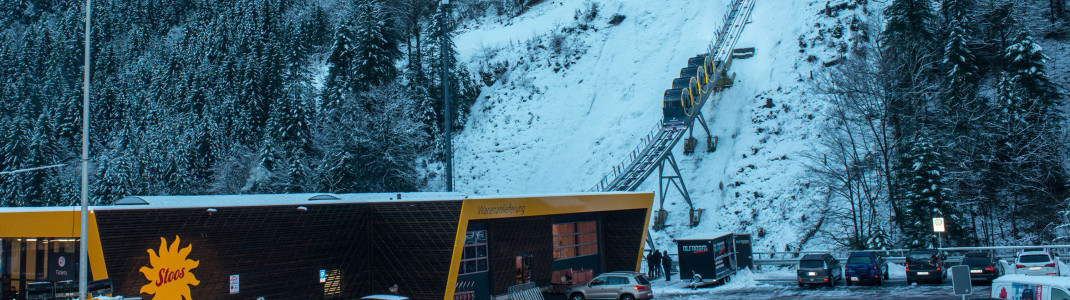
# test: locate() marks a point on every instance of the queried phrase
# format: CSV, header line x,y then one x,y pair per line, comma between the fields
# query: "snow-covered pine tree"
x,y
296,176
289,125
315,28
41,185
113,182
201,154
955,9
961,69
1025,63
14,153
1035,138
338,84
463,89
377,47
926,194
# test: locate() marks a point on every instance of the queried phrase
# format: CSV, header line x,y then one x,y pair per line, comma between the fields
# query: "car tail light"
x,y
826,279
1051,274
1019,266
908,268
640,288
874,267
938,268
1050,265
800,279
990,269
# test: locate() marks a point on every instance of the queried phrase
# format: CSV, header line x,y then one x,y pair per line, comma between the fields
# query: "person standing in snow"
x,y
656,264
650,265
666,262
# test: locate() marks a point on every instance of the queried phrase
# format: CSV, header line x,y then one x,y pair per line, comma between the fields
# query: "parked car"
x,y
819,269
1036,263
613,285
1031,287
866,267
925,265
984,266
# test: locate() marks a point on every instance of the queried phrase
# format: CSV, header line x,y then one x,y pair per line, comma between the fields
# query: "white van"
x,y
1023,287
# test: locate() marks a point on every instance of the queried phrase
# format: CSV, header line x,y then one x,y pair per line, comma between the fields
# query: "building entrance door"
x,y
523,267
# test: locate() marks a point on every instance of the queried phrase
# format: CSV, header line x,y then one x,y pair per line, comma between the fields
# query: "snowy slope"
x,y
541,130
545,131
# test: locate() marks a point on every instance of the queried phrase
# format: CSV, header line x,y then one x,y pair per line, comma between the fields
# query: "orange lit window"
x,y
575,239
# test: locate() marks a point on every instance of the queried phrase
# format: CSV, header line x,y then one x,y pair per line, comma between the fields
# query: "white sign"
x,y
233,284
938,224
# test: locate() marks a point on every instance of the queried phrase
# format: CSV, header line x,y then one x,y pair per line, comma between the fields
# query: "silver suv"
x,y
613,285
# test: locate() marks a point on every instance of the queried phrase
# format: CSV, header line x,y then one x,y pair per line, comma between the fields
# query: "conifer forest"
x,y
940,108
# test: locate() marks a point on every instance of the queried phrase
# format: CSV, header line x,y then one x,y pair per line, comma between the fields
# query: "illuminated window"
x,y
474,258
575,239
332,283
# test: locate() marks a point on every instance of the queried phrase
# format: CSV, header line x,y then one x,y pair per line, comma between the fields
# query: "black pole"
x,y
446,95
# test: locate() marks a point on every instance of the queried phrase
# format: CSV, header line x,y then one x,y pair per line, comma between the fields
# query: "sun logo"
x,y
170,275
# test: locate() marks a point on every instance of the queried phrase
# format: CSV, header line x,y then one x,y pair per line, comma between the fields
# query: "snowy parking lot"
x,y
781,284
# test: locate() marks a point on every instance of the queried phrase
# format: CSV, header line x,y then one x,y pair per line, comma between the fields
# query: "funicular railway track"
x,y
681,106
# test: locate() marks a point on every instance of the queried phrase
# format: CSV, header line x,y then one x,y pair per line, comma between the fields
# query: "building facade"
x,y
323,246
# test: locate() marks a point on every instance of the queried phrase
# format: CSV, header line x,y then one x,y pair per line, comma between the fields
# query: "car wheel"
x,y
832,282
627,297
880,282
909,282
576,296
885,274
848,281
939,281
801,284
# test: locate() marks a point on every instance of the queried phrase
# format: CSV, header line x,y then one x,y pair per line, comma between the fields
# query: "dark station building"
x,y
324,246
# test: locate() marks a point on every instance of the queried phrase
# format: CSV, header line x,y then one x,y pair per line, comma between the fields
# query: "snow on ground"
x,y
539,130
573,103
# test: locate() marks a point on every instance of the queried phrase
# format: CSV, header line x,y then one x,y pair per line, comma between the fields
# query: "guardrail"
x,y
786,258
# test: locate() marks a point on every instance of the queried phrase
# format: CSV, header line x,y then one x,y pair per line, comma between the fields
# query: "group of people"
x,y
658,263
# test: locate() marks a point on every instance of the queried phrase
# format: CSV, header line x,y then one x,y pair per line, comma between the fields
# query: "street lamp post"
x,y
83,251
444,5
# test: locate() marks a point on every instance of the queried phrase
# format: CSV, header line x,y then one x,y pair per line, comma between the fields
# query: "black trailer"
x,y
712,258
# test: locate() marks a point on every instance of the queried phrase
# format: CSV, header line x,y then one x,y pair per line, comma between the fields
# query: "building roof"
x,y
215,201
280,199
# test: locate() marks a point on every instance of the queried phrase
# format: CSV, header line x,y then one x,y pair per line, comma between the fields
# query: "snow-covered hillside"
x,y
573,103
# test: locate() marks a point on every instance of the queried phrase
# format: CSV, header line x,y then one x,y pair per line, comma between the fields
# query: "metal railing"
x,y
785,258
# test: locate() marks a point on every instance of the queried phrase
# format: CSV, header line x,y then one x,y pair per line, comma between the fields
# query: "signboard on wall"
x,y
62,267
233,284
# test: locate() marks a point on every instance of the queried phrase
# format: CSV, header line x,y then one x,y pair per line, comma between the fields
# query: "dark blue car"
x,y
865,267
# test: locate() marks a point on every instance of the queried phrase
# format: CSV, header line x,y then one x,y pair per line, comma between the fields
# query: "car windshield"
x,y
811,264
860,260
975,261
920,257
642,280
1034,258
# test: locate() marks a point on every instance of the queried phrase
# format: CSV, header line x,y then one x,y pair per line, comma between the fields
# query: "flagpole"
x,y
83,252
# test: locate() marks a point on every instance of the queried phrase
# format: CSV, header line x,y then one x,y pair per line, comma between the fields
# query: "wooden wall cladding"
x,y
278,250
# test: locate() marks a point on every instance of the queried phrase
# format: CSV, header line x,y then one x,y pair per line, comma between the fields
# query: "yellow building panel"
x,y
56,224
496,208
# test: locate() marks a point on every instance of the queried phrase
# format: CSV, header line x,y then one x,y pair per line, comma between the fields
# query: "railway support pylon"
x,y
673,179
